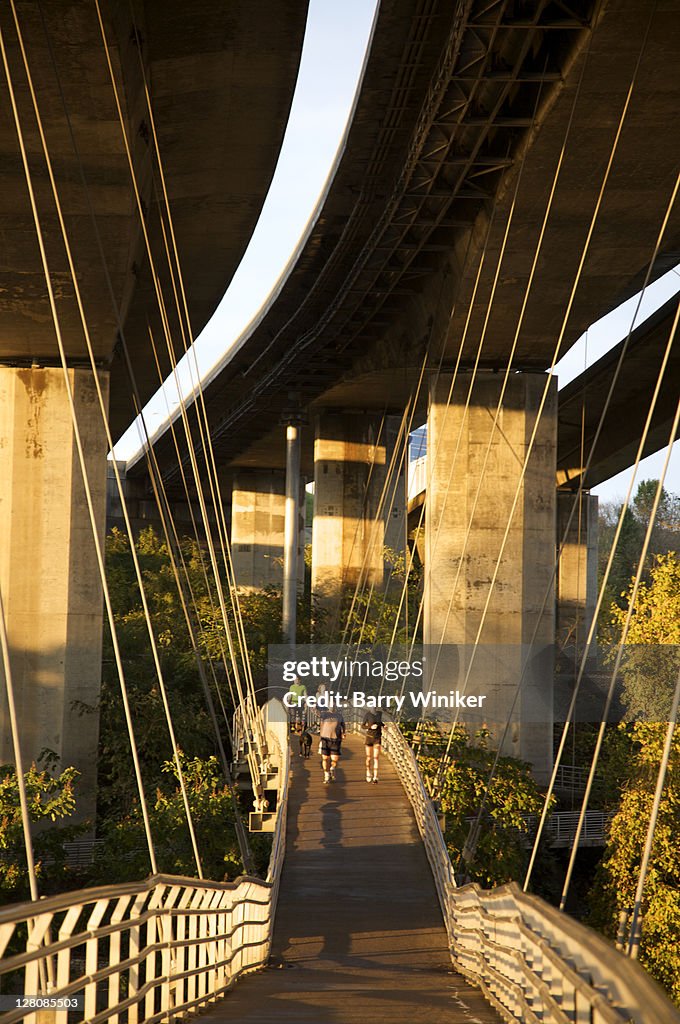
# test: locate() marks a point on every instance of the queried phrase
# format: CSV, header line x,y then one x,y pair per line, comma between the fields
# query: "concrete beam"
x,y
585,402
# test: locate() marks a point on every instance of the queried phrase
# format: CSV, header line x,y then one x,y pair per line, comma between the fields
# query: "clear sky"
x,y
333,53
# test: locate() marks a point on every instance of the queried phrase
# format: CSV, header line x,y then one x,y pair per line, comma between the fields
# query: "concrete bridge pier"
x,y
517,636
577,567
394,511
48,570
348,531
258,512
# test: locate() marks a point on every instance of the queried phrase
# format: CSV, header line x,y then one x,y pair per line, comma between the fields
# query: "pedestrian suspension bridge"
x,y
359,914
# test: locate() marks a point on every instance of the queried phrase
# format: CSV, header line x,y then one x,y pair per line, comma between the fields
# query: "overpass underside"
x,y
505,180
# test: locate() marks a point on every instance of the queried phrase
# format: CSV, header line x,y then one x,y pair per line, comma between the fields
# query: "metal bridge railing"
x,y
560,828
151,951
405,763
533,963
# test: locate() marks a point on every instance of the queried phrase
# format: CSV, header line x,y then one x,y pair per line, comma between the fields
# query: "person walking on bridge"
x,y
373,727
331,735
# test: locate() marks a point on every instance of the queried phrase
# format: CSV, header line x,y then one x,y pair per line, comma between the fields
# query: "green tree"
x,y
616,879
51,799
117,788
261,616
501,854
124,855
665,537
651,660
386,614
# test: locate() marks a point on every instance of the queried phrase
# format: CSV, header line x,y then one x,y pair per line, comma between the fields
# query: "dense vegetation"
x,y
54,792
465,788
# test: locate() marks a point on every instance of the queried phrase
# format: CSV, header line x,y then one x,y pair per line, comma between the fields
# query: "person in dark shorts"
x,y
373,727
331,735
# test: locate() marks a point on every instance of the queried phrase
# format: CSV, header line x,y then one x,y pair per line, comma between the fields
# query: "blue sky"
x,y
333,54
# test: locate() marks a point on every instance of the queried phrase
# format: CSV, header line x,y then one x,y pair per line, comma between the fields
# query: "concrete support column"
x,y
477,491
291,547
258,512
48,570
395,499
348,532
577,566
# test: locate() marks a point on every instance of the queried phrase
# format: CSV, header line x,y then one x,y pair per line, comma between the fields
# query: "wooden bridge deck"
x,y
359,934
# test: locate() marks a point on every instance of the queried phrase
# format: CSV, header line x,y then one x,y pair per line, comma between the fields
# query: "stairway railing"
x,y
151,951
533,963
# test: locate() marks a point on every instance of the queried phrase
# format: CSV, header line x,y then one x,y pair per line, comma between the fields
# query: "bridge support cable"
x,y
257,755
376,536
414,401
398,457
513,348
434,455
45,967
556,176
550,374
405,428
255,745
103,412
186,331
80,451
617,534
193,621
151,455
358,587
139,411
396,506
187,335
626,626
407,424
475,368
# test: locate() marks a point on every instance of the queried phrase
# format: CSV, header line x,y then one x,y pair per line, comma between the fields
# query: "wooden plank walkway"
x,y
358,934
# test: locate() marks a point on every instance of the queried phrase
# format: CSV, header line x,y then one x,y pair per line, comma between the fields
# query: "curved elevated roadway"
x,y
456,100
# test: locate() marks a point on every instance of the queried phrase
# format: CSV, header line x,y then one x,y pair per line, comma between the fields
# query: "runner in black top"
x,y
373,727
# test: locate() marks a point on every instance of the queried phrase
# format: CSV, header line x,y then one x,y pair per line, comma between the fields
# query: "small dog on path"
x,y
305,743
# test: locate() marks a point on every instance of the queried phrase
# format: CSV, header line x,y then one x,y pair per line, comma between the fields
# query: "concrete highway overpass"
x,y
502,186
220,75
455,107
463,113
221,82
